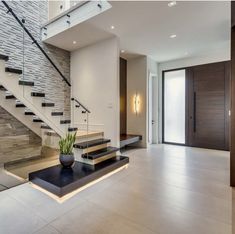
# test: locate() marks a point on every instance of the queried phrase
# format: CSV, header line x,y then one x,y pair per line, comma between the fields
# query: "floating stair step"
x,y
48,104
4,57
100,153
37,120
20,105
2,88
26,83
13,70
56,113
29,113
10,97
87,144
36,94
65,121
45,127
72,129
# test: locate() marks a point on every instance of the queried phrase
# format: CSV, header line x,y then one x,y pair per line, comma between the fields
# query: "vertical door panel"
x,y
208,106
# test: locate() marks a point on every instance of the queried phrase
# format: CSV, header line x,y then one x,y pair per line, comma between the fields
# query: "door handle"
x,y
194,111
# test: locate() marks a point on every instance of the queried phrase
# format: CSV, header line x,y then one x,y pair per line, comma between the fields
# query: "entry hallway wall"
x,y
95,82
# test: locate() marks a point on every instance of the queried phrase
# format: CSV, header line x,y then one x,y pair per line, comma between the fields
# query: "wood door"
x,y
208,106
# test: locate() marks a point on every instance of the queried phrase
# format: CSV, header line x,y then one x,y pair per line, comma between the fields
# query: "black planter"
x,y
66,160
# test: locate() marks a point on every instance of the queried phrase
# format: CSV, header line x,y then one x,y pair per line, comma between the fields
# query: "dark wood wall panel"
x,y
232,129
123,95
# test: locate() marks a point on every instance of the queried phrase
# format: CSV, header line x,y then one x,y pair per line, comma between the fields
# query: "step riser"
x,y
96,161
52,139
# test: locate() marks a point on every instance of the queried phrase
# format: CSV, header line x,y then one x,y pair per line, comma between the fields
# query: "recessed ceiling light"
x,y
112,27
172,3
122,51
173,36
74,42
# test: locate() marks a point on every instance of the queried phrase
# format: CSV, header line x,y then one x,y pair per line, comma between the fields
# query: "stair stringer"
x,y
23,93
18,113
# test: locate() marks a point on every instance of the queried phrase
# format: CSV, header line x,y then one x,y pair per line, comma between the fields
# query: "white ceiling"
x,y
144,28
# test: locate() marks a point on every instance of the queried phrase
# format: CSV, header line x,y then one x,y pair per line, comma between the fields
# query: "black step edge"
x,y
66,121
13,70
87,144
56,113
10,97
72,129
29,113
26,83
48,104
2,88
37,121
100,153
45,127
20,105
36,94
4,57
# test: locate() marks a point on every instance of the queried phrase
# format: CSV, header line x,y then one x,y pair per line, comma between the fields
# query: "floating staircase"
x,y
17,94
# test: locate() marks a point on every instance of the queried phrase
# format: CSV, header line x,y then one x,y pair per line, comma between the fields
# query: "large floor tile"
x,y
44,206
90,218
15,218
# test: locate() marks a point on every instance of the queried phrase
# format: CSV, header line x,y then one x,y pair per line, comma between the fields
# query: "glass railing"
x,y
45,78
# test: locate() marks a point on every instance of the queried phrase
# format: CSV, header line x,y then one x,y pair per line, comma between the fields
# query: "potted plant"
x,y
66,150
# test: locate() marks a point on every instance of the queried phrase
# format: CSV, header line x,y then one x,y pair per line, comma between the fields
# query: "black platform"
x,y
128,139
61,181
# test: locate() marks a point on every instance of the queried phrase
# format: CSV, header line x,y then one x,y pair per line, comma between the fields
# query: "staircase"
x,y
27,106
94,157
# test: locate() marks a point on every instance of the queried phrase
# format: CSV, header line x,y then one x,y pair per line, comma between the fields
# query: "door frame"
x,y
150,102
186,105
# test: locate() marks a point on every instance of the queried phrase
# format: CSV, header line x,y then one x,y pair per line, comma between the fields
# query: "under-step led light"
x,y
172,3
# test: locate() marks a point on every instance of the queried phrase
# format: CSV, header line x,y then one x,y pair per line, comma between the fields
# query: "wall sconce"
x,y
136,103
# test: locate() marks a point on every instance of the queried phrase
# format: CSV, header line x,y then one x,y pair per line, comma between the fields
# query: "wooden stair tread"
x,y
100,153
87,144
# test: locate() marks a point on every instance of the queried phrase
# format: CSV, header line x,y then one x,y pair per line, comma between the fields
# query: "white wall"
x,y
95,82
212,57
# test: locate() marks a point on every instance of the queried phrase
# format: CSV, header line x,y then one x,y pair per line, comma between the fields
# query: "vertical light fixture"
x,y
136,103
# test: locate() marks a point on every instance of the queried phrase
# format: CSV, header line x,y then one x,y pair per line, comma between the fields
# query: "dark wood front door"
x,y
208,106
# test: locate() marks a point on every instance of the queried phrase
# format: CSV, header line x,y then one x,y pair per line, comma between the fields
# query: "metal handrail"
x,y
80,105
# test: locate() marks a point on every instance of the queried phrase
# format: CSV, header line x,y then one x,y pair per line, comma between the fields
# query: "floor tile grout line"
x,y
183,209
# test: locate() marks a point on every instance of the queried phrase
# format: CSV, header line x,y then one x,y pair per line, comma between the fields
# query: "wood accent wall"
x,y
123,95
16,140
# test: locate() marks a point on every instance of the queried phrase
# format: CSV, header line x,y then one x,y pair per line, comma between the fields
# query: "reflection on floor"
x,y
22,169
8,180
165,190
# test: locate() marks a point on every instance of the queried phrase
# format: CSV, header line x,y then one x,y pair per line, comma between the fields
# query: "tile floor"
x,y
166,190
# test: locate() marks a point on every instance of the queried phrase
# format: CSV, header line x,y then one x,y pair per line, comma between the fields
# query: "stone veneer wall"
x,y
23,54
16,140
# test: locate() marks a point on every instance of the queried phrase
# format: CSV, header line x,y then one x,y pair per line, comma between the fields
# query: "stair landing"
x,y
62,181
